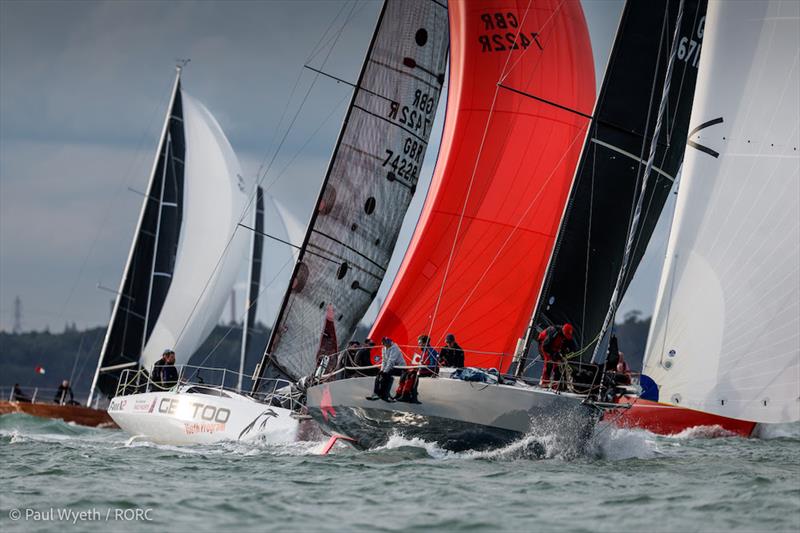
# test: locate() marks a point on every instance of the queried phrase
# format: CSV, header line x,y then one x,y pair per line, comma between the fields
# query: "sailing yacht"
x,y
184,259
503,210
723,343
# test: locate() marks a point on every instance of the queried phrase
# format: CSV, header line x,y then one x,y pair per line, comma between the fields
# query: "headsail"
x,y
182,263
725,334
508,155
369,183
588,255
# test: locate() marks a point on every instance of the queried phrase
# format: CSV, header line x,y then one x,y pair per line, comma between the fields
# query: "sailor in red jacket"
x,y
554,343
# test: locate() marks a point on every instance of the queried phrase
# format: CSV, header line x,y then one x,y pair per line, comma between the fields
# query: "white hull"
x,y
182,417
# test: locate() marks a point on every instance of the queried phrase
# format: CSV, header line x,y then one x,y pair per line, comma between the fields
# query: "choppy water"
x,y
702,480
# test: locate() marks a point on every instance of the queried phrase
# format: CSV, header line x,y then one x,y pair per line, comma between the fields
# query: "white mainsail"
x,y
215,197
185,255
725,336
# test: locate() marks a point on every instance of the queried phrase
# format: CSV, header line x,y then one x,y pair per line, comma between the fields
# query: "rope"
x,y
259,181
648,169
472,177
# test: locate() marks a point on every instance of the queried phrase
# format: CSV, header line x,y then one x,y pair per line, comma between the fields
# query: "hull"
x,y
668,419
199,418
457,415
84,416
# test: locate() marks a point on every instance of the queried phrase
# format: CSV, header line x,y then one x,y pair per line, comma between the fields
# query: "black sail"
x,y
151,260
369,184
254,286
590,245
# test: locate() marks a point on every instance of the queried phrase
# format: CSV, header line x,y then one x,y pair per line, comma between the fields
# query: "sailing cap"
x,y
450,338
167,351
567,329
386,340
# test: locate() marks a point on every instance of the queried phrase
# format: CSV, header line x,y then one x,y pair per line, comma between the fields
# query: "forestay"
x,y
590,248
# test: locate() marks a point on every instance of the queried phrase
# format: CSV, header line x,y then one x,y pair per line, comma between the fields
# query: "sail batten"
x,y
368,185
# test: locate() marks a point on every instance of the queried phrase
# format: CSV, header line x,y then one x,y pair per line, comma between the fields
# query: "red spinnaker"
x,y
503,176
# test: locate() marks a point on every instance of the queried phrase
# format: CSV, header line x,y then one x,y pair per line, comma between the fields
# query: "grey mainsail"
x,y
368,186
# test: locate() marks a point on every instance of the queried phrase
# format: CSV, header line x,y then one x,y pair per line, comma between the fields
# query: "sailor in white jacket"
x,y
391,358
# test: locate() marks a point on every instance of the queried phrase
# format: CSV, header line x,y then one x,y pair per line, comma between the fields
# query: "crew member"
x,y
451,355
165,375
430,358
18,396
391,358
364,359
623,371
61,394
554,343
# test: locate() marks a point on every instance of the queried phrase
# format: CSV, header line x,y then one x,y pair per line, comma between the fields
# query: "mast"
x,y
128,263
254,277
364,194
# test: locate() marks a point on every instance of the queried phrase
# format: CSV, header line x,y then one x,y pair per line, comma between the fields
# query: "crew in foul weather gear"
x,y
554,343
451,355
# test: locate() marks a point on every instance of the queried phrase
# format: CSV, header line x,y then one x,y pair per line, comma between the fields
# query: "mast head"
x,y
180,63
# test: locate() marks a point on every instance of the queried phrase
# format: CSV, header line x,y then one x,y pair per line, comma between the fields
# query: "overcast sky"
x,y
83,91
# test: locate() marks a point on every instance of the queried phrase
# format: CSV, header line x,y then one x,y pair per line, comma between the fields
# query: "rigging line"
x,y
648,169
471,182
124,178
252,197
545,101
588,240
311,137
654,138
254,302
274,238
552,15
345,245
520,219
353,85
260,177
288,243
671,128
287,106
317,48
92,350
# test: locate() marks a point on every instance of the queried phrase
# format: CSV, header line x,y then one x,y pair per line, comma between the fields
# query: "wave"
x,y
607,443
777,431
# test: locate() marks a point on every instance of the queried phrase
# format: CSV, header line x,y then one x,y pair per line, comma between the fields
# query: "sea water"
x,y
61,477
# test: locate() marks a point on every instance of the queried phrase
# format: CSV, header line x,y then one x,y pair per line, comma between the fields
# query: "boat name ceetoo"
x,y
205,412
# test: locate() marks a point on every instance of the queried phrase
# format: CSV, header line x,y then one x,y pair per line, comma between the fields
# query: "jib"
x,y
499,21
199,411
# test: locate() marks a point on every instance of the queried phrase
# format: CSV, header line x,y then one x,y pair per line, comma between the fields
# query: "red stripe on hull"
x,y
666,419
